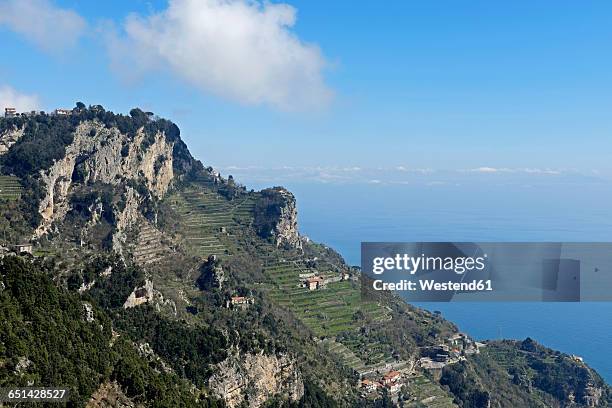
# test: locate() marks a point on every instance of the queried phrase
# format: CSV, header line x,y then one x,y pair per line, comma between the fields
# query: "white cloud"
x,y
526,170
487,170
51,28
9,97
541,171
242,50
411,170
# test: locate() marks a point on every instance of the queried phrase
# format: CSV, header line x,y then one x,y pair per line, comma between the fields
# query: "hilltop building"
x,y
62,112
577,359
10,112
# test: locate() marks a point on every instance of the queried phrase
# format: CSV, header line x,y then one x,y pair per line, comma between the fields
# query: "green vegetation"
x,y
554,375
147,383
203,215
163,353
314,397
328,311
466,392
422,392
45,326
111,293
189,350
207,219
44,140
10,188
45,339
14,222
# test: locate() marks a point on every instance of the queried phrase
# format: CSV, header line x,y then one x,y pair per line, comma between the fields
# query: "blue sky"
x,y
444,85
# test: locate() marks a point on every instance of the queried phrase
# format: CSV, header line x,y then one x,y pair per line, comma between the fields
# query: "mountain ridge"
x,y
121,214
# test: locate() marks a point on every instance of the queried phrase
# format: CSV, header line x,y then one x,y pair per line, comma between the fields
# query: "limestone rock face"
x,y
592,395
148,294
110,395
140,296
276,217
88,312
254,378
286,231
126,217
146,351
9,138
212,275
98,154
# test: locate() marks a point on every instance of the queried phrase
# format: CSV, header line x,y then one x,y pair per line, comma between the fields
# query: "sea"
x,y
342,215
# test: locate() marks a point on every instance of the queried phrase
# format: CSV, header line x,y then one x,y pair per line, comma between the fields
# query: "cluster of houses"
x,y
392,381
454,349
312,281
10,112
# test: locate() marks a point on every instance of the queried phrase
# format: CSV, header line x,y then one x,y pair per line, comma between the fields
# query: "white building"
x,y
62,112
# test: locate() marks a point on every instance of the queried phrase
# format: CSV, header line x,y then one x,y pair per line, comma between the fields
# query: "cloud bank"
x,y
9,97
51,28
527,170
404,175
241,50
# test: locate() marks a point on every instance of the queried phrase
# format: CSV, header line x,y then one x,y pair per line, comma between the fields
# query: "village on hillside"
x,y
393,377
10,112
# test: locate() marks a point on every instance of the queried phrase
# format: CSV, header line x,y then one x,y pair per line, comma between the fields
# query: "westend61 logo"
x,y
488,271
412,264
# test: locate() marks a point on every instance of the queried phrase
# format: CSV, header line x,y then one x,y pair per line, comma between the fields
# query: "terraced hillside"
x,y
211,224
328,311
149,247
208,219
10,188
426,394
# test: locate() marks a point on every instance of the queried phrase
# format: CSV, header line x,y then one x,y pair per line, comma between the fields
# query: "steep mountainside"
x,y
154,281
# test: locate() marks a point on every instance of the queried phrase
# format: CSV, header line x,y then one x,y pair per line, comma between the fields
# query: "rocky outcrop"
x,y
592,395
126,217
86,286
22,366
88,314
147,294
286,231
276,217
254,378
146,351
212,274
110,395
9,138
141,295
99,154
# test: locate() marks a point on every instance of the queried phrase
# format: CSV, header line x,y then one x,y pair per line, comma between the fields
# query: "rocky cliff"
x,y
252,379
286,229
276,217
9,137
100,154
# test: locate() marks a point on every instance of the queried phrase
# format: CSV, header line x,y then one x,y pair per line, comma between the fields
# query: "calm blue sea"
x,y
343,215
